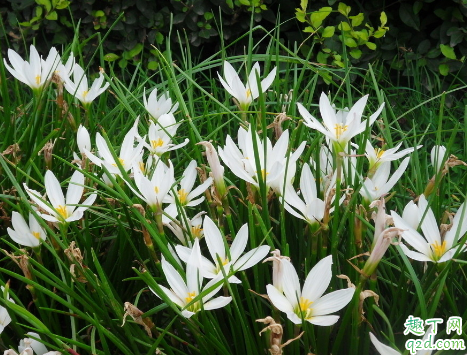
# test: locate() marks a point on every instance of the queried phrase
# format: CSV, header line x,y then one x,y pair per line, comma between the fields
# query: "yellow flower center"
x,y
62,211
379,152
194,307
121,162
156,189
157,143
196,231
36,235
304,308
182,195
38,79
85,93
248,93
340,128
191,296
141,167
438,250
264,173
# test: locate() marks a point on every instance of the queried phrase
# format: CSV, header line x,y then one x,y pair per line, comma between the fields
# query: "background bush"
x,y
427,34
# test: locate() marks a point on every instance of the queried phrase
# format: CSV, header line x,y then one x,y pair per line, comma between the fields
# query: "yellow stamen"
x,y
62,211
156,189
121,162
379,152
157,143
196,231
191,296
264,173
304,308
438,250
182,195
38,79
85,93
36,235
339,128
304,304
141,167
248,93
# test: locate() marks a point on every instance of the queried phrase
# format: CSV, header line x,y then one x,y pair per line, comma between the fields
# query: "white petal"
x,y
75,188
54,190
318,279
290,283
217,302
429,225
332,302
174,279
214,240
382,349
414,255
278,299
294,318
251,258
324,320
239,243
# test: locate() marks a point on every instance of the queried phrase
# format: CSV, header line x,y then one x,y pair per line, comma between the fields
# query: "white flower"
x,y
438,155
307,303
380,183
189,231
62,210
154,191
160,135
377,156
35,345
159,106
29,236
386,350
430,246
35,73
311,209
79,86
222,262
29,346
186,195
83,139
245,94
190,296
129,155
273,166
5,318
64,71
339,126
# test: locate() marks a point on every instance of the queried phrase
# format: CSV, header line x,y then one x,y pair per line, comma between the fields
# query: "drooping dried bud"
x,y
135,314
